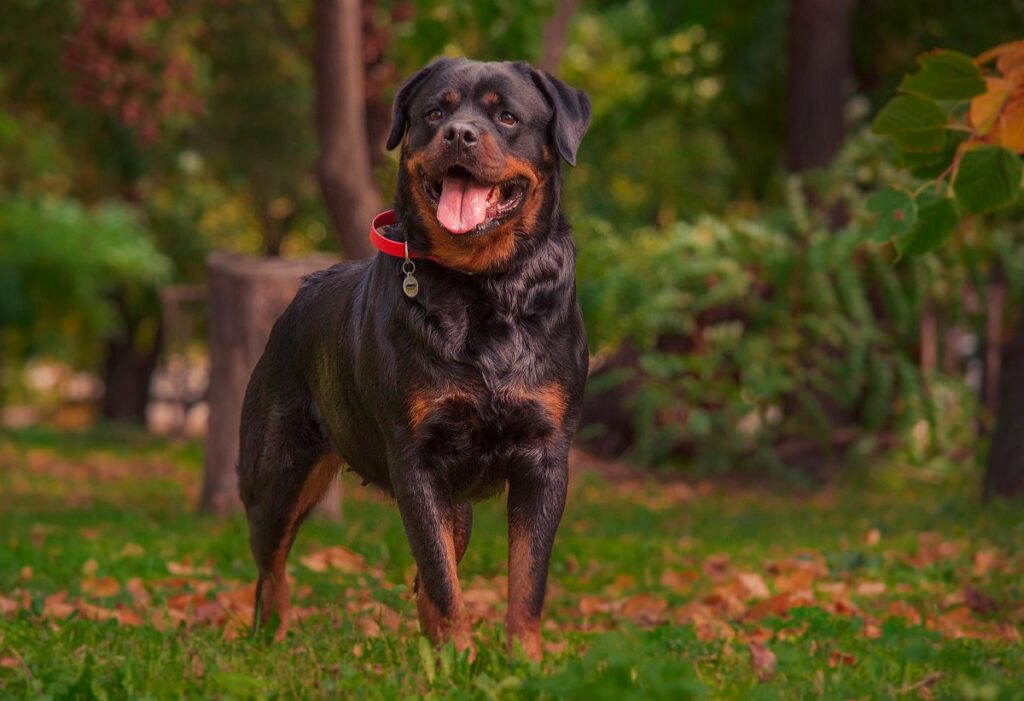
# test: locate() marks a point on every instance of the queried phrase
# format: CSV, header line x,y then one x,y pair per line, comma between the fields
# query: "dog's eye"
x,y
434,115
508,119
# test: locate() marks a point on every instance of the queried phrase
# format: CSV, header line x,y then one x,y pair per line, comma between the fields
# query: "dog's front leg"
x,y
430,520
536,499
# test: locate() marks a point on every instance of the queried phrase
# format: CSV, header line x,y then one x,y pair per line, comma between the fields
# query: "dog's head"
x,y
481,149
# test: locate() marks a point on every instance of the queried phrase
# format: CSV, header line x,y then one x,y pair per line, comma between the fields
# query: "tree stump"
x,y
246,296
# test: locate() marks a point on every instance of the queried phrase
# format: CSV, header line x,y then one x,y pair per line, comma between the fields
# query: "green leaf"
x,y
988,178
898,213
916,124
929,166
945,75
936,219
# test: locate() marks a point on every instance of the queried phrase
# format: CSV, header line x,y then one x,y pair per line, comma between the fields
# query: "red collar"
x,y
389,246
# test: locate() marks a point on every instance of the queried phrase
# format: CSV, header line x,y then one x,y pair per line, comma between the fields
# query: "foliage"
x,y
110,586
61,263
960,129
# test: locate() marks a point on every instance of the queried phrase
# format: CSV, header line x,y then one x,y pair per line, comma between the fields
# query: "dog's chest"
x,y
504,401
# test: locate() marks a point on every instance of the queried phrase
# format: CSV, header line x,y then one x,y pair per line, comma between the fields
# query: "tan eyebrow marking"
x,y
492,99
451,95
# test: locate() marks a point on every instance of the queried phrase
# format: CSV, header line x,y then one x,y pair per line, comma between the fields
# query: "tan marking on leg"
x,y
521,626
276,591
435,625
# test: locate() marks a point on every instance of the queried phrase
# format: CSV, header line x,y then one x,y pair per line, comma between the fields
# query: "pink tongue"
x,y
463,204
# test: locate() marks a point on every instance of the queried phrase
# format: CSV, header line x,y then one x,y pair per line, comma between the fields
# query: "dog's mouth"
x,y
464,205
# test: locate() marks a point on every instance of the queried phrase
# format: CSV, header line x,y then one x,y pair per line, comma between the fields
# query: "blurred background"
x,y
169,170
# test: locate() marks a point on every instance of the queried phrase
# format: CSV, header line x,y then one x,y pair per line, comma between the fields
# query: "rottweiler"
x,y
450,364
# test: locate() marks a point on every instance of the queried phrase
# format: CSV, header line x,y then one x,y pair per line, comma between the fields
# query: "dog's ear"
x,y
400,109
572,112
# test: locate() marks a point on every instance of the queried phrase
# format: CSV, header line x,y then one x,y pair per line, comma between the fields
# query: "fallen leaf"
x,y
717,566
131,550
752,586
90,567
901,609
187,569
25,574
985,561
979,602
335,557
107,586
679,581
873,537
762,660
870,589
645,610
837,658
8,605
139,593
57,606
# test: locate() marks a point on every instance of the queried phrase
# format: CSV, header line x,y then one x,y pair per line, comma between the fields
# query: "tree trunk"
x,y
127,370
556,34
1005,474
816,80
246,297
343,167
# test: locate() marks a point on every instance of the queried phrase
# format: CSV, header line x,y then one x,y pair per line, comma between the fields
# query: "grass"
x,y
659,590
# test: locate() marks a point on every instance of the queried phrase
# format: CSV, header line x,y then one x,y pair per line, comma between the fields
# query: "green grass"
x,y
639,605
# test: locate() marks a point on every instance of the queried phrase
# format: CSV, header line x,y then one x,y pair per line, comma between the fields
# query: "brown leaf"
x,y
623,582
590,604
901,609
187,569
679,581
645,610
138,591
717,565
335,557
841,658
131,550
873,537
870,589
57,606
8,606
107,586
25,574
762,660
752,586
979,602
985,561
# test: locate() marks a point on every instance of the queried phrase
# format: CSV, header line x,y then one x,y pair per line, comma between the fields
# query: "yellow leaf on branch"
x,y
985,108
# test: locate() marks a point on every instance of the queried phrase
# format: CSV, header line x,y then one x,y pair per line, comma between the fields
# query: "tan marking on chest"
x,y
423,402
549,395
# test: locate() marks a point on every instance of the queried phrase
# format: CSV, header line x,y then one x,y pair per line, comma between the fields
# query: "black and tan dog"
x,y
465,379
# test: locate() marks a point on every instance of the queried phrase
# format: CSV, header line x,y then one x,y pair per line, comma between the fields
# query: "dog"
x,y
448,366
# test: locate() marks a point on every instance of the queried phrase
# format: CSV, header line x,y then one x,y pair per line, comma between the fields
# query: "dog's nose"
x,y
461,134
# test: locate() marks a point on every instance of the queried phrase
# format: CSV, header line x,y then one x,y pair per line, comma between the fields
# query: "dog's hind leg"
x,y
282,475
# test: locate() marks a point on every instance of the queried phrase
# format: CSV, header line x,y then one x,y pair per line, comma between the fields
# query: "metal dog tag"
x,y
410,286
